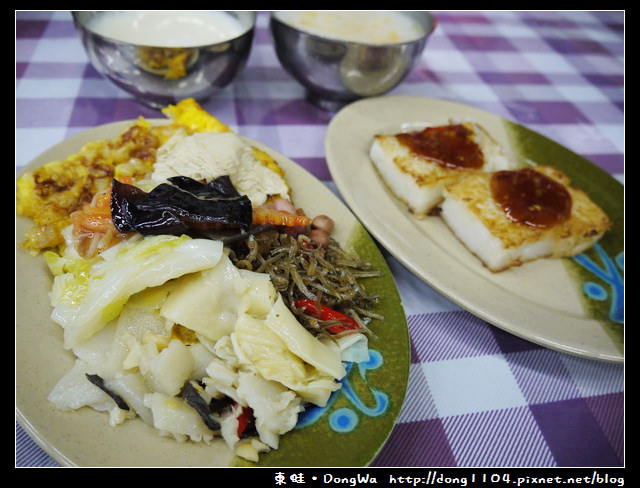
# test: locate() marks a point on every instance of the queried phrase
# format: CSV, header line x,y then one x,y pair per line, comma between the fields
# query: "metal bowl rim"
x,y
82,26
273,19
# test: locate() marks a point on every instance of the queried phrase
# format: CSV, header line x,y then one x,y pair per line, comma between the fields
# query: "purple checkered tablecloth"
x,y
477,396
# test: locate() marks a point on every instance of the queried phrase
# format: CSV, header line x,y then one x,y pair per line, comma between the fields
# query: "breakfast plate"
x,y
570,305
348,432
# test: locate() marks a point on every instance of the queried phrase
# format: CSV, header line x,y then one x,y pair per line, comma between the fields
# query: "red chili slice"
x,y
325,313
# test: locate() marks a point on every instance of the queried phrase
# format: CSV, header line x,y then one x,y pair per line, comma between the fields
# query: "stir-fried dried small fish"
x,y
300,270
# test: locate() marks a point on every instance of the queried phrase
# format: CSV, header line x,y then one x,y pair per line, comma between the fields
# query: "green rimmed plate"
x,y
570,305
359,417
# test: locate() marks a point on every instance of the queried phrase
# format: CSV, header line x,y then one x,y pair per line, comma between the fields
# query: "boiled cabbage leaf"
x,y
302,343
98,294
264,350
210,302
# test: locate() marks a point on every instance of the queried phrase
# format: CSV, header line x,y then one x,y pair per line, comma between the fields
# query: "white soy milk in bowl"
x,y
369,27
168,28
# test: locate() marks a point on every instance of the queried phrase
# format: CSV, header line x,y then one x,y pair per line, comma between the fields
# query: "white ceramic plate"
x,y
84,438
557,303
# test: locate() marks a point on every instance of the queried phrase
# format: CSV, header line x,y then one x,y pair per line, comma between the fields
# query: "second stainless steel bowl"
x,y
335,72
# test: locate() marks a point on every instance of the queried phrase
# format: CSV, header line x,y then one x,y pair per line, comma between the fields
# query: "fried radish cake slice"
x,y
416,166
514,216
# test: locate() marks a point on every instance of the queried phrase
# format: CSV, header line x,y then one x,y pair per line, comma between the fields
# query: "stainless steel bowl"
x,y
159,76
336,72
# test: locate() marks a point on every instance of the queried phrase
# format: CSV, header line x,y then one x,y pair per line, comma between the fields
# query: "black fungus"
x,y
99,382
182,205
217,407
222,405
250,430
199,404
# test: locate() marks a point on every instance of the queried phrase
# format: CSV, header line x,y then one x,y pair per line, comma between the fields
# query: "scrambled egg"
x,y
188,113
50,193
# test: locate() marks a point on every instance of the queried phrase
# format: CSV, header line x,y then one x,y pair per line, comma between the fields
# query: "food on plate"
x,y
416,165
503,214
180,205
49,195
510,217
52,194
207,155
193,295
303,272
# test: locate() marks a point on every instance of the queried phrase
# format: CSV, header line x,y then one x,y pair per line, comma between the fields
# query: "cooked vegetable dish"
x,y
193,293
